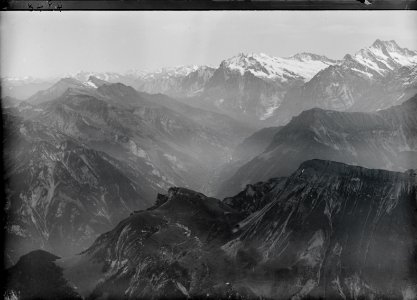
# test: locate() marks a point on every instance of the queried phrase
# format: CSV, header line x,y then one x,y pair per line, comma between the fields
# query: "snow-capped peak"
x,y
90,84
383,56
302,66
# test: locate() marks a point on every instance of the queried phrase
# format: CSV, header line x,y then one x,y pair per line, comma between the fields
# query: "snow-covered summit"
x,y
301,66
382,57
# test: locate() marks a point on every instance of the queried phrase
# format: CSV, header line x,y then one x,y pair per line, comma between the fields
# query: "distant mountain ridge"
x,y
268,90
367,81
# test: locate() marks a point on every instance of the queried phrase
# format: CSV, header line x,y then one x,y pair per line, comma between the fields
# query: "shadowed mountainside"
x,y
328,230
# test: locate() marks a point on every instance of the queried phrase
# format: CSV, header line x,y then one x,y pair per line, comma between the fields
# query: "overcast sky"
x,y
42,44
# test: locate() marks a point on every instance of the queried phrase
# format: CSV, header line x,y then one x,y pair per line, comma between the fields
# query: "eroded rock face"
x,y
335,231
328,230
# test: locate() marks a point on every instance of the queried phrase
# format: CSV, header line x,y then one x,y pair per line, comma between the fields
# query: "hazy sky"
x,y
44,43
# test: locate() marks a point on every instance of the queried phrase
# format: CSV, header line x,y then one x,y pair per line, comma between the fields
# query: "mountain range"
x,y
264,177
369,80
269,91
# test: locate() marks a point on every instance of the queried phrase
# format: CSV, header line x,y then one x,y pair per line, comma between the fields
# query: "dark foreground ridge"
x,y
36,276
329,230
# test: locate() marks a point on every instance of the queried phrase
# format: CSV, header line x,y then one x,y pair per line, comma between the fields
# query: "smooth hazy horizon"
x,y
47,44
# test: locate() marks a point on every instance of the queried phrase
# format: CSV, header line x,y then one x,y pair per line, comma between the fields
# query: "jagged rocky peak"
x,y
380,44
384,56
240,63
391,47
372,79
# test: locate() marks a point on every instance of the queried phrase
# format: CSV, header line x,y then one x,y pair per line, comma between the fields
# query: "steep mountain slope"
x,y
60,194
329,230
253,86
334,231
92,155
187,143
385,139
169,251
366,81
181,148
